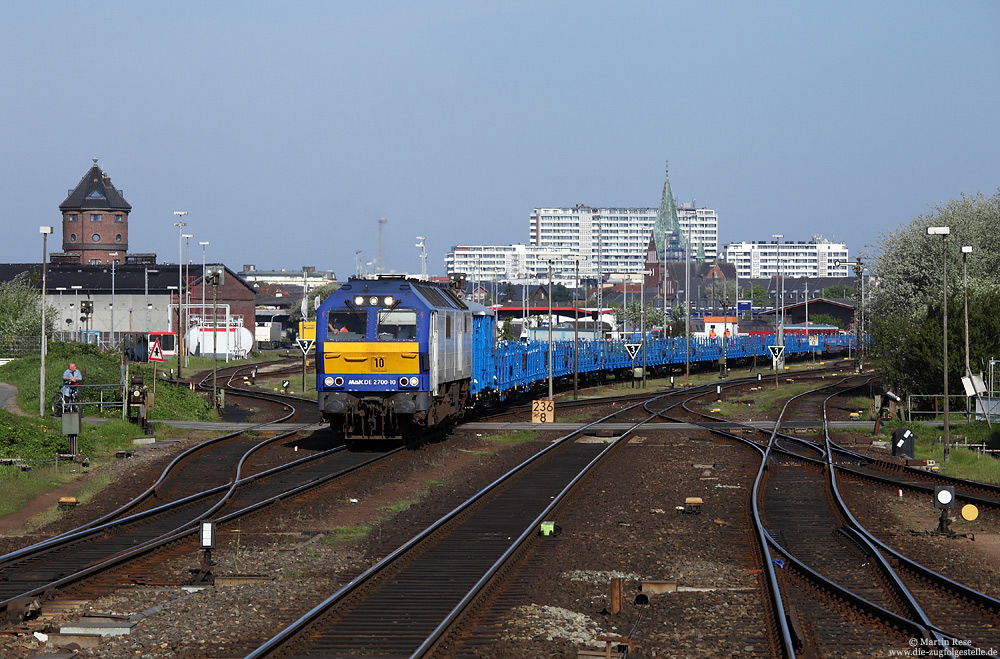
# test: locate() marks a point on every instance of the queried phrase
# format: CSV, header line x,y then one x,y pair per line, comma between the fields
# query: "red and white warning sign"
x,y
155,354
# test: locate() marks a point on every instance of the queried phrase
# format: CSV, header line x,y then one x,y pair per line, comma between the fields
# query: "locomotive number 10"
x,y
543,411
378,363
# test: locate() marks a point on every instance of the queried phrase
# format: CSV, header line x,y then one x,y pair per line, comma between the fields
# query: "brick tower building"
x,y
95,222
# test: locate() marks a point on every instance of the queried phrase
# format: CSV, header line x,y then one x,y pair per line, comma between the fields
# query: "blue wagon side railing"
x,y
512,365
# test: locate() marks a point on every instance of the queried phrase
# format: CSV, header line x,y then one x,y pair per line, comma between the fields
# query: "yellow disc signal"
x,y
969,512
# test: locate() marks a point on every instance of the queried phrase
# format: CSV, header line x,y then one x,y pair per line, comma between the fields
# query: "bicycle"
x,y
67,399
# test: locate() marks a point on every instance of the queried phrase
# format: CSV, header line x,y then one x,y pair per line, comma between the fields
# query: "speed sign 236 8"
x,y
543,411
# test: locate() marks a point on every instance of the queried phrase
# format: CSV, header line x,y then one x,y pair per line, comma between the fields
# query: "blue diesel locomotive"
x,y
395,356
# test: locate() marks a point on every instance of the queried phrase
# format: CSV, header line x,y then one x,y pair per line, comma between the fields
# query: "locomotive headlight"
x,y
328,381
359,300
387,300
414,381
373,300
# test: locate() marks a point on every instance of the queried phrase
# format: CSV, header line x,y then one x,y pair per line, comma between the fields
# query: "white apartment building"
x,y
513,263
790,258
614,240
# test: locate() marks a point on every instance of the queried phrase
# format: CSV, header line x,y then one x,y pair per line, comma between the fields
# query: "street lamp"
x,y
423,256
779,285
76,303
180,288
550,329
357,264
146,293
966,250
111,335
187,280
687,303
204,244
60,289
943,232
45,231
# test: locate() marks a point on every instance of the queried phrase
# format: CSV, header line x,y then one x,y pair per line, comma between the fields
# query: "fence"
x,y
108,397
13,347
964,408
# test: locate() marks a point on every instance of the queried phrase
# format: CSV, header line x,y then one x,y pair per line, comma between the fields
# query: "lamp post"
x,y
76,303
45,231
60,289
180,289
423,256
550,329
966,250
576,326
943,232
357,264
779,309
111,335
204,244
146,294
687,303
187,281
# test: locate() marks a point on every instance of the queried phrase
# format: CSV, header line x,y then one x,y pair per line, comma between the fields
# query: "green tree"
x,y
561,294
905,308
322,293
759,296
507,330
838,292
21,309
825,319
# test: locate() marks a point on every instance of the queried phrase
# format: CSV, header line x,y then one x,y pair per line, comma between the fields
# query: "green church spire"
x,y
666,225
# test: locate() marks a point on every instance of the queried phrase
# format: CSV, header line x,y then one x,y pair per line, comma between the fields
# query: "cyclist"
x,y
71,378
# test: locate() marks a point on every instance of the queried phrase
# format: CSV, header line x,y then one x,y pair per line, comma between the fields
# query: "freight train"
x,y
396,356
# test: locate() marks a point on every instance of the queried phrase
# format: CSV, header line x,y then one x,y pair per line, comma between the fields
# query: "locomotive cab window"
x,y
345,326
397,325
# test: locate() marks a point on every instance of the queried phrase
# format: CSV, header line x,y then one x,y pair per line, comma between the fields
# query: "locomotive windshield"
x,y
397,325
345,326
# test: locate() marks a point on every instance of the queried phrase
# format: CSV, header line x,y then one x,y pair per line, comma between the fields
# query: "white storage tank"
x,y
231,342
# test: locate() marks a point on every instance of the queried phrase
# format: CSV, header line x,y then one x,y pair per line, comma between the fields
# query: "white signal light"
x,y
359,300
373,300
387,300
944,496
328,381
414,381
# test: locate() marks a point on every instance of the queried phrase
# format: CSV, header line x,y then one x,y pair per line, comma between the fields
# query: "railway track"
x,y
212,479
799,588
410,603
834,576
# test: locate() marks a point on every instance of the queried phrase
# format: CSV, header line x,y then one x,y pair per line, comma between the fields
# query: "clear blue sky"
x,y
287,129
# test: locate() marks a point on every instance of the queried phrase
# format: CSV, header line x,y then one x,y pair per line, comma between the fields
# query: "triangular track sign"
x,y
155,353
632,349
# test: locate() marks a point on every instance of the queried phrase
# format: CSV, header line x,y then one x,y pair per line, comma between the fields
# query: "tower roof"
x,y
666,217
95,191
